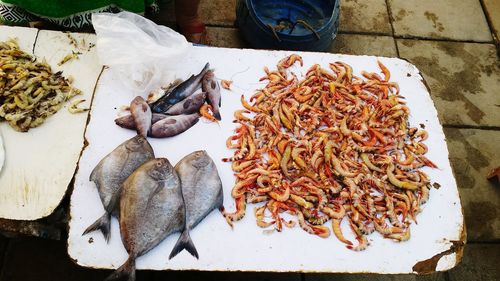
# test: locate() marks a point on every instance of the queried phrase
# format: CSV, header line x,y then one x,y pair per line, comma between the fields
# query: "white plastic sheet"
x,y
141,54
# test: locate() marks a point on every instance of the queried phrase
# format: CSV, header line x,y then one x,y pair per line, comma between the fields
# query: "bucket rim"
x,y
292,37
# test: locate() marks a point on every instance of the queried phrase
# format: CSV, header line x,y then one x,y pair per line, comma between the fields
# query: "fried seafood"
x,y
330,146
29,91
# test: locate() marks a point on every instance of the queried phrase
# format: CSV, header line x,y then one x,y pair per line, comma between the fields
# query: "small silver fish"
x,y
141,112
212,88
174,125
151,208
202,193
188,105
112,171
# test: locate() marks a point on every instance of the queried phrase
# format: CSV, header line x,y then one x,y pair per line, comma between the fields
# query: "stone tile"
x,y
480,263
227,37
218,12
214,12
374,277
473,153
364,45
364,16
458,20
464,79
492,10
30,259
224,276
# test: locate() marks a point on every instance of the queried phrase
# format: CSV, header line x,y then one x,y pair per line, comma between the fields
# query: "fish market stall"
x,y
40,163
435,244
239,229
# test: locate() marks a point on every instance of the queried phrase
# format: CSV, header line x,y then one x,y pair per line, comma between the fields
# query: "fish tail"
x,y
206,67
184,242
103,224
126,270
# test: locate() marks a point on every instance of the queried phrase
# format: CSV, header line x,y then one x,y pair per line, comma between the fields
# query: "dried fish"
x,y
29,90
73,107
68,57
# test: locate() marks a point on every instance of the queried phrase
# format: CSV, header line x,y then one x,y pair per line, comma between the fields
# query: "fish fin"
x,y
184,242
221,203
103,224
207,66
126,270
93,175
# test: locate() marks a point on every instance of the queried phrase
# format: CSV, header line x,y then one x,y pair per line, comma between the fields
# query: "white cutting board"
x,y
246,247
40,163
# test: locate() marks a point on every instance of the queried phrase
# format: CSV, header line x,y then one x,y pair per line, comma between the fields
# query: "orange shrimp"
x,y
226,84
205,111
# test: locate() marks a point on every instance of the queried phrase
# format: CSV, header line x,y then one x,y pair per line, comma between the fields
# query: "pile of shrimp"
x,y
29,90
329,147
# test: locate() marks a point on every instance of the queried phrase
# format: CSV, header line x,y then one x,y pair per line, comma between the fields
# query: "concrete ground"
x,y
455,45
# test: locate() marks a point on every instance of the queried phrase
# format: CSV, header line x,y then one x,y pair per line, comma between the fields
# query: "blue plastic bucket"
x,y
306,25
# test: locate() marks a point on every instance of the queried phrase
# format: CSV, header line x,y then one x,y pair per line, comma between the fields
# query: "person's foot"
x,y
194,30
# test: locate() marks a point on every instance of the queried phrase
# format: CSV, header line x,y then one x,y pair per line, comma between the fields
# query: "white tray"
x,y
247,248
40,163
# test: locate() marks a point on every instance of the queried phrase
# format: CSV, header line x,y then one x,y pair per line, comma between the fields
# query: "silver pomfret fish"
x,y
112,171
151,208
202,193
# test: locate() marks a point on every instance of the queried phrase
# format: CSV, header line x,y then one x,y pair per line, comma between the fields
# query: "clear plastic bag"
x,y
140,53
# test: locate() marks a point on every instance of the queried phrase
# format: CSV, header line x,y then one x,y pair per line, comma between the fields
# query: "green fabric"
x,y
65,8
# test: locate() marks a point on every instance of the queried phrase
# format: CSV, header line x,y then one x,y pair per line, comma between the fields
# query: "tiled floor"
x,y
463,75
451,42
444,19
361,16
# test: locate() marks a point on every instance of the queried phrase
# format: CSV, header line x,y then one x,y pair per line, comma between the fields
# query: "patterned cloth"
x,y
68,14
